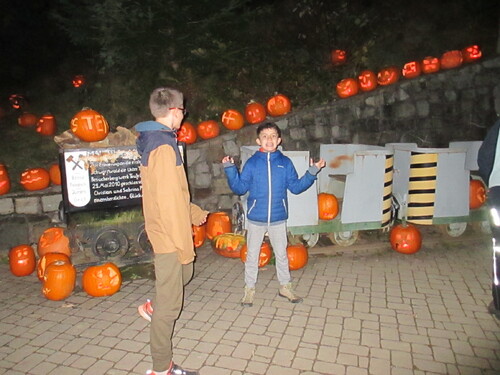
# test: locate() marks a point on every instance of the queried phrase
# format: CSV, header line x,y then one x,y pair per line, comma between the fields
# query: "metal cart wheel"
x,y
238,218
454,229
143,240
110,242
482,226
307,239
345,238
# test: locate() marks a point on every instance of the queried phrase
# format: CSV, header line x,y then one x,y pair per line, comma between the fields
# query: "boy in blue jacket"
x,y
267,175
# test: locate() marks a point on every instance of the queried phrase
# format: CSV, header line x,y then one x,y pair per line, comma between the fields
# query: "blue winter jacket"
x,y
267,176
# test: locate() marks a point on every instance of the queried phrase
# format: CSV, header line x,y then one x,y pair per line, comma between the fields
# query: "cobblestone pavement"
x,y
374,312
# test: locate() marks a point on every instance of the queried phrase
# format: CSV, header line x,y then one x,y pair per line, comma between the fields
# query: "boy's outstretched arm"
x,y
235,181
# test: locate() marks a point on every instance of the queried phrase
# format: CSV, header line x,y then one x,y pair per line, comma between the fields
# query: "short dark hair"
x,y
268,125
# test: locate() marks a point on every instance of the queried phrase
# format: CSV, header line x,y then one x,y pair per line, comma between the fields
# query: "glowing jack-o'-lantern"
x,y
53,240
411,69
388,76
264,256
102,280
218,223
347,87
338,57
27,120
46,125
59,280
22,260
278,105
199,234
208,129
451,59
255,113
187,133
78,81
89,125
17,101
232,119
35,179
228,245
367,80
471,53
4,180
430,65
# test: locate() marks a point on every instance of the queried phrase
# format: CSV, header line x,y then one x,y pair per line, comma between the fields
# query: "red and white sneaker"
x,y
175,370
146,311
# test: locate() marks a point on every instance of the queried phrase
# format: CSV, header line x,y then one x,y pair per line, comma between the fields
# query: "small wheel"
x,y
310,239
482,226
454,229
345,238
238,218
143,240
110,242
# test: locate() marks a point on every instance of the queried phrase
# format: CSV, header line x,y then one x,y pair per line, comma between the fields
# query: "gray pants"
x,y
255,236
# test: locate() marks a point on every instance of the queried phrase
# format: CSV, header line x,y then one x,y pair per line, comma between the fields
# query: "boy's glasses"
x,y
184,111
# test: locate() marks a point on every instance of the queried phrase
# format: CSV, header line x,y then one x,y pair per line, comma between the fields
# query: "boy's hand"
x,y
319,164
228,159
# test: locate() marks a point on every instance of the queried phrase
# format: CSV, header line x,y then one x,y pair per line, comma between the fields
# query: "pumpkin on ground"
x,y
22,260
4,180
328,206
477,194
55,174
46,125
53,240
405,238
232,119
187,133
218,223
278,105
347,87
255,113
27,120
102,280
59,280
228,245
264,256
208,129
89,125
199,234
367,80
47,259
35,179
297,256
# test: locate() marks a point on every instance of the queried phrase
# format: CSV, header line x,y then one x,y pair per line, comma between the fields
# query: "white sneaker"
x,y
247,299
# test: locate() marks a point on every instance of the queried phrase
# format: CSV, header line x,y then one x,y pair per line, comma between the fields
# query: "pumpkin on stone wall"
x,y
471,53
255,112
338,57
55,174
46,125
451,59
347,87
27,119
388,76
208,129
4,180
35,179
411,69
430,64
232,119
187,133
278,105
89,125
367,80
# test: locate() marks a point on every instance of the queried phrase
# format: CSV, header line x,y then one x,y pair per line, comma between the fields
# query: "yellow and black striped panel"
x,y
387,193
422,188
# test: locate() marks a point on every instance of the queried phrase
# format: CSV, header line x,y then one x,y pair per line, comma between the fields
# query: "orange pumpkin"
x,y
199,234
4,180
27,119
232,119
338,57
278,105
328,206
388,76
471,53
347,87
297,256
89,125
187,133
411,69
405,238
451,59
228,245
46,125
255,113
53,240
264,256
17,101
367,80
47,259
208,129
59,280
218,223
35,179
430,65
102,280
22,260
477,194
78,81
55,174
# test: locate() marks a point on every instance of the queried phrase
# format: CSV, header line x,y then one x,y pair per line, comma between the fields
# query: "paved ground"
x,y
365,312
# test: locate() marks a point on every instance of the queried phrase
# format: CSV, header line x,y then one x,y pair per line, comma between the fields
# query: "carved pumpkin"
x,y
297,256
208,129
22,260
405,238
102,280
411,69
78,81
264,256
218,223
199,234
232,119
4,180
451,59
89,125
347,87
59,280
278,105
187,133
471,53
27,120
53,240
367,80
388,76
338,57
47,259
255,113
55,174
228,245
17,101
46,125
328,206
35,179
477,194
430,65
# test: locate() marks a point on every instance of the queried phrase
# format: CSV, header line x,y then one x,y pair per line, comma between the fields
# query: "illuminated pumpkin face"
x,y
89,126
17,101
278,105
255,113
430,65
367,80
22,260
102,280
411,69
388,76
208,129
347,87
46,125
4,180
187,133
218,223
338,57
78,80
405,239
232,119
471,53
35,179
